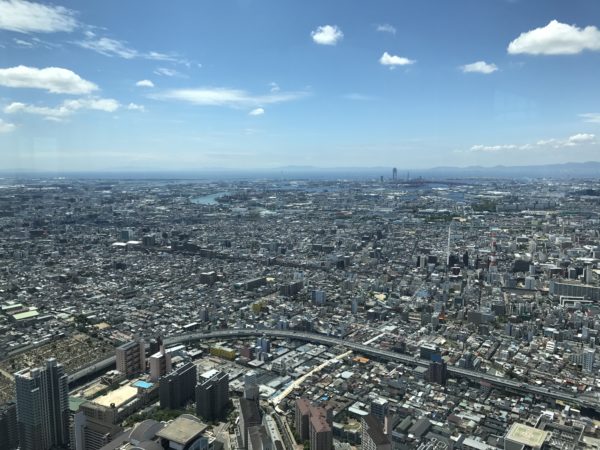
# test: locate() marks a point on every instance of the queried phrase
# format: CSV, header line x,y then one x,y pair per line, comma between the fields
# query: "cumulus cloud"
x,y
53,79
136,107
235,98
386,28
479,67
393,60
145,83
257,112
556,39
590,117
66,108
327,35
6,127
29,17
575,140
274,87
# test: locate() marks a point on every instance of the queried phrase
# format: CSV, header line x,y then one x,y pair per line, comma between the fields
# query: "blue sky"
x,y
261,84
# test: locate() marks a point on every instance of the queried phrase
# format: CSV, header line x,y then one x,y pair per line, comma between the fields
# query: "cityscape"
x,y
384,313
299,225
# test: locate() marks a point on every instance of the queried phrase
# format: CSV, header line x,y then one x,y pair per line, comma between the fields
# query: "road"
x,y
363,349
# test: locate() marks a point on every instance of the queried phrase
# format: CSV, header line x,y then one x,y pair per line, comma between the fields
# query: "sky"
x,y
246,84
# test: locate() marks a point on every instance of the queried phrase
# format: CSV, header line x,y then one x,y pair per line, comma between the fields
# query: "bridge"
x,y
364,349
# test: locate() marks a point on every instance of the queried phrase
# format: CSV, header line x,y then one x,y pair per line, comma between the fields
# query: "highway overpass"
x,y
315,338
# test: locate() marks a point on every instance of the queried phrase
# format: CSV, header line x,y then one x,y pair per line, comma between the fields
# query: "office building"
x,y
42,407
8,427
131,358
251,390
177,388
373,437
249,418
212,395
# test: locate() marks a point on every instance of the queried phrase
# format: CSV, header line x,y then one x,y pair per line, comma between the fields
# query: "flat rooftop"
x,y
119,396
526,435
182,430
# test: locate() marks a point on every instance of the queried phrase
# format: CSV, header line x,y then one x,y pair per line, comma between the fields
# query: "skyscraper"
x,y
8,427
42,407
212,395
177,387
395,174
251,390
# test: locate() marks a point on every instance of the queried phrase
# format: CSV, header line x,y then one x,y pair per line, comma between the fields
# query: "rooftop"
x,y
182,430
526,435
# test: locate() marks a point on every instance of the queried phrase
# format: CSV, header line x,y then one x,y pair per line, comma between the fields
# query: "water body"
x,y
209,199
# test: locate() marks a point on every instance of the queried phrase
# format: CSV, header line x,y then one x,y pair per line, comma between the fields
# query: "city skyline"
x,y
268,84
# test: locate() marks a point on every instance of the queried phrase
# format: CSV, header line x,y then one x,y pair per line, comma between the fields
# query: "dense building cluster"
x,y
386,314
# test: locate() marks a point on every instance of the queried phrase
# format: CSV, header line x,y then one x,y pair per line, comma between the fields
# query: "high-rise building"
x,y
301,418
42,407
588,360
131,358
8,427
379,409
177,388
251,390
212,395
437,372
94,426
160,365
373,437
249,418
314,424
394,174
320,431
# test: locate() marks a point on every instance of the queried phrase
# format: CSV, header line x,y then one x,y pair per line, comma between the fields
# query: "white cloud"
x,y
167,72
591,117
479,67
235,98
29,17
274,87
6,127
393,60
257,112
327,35
386,28
136,107
575,140
556,39
113,47
145,83
109,47
66,108
580,139
54,79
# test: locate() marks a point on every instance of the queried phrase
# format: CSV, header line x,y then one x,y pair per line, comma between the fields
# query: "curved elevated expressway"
x,y
362,349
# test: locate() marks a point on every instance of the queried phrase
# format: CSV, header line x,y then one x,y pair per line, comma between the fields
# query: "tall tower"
x,y
42,407
395,174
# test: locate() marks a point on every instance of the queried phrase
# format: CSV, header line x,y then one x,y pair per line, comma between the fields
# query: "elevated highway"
x,y
364,349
